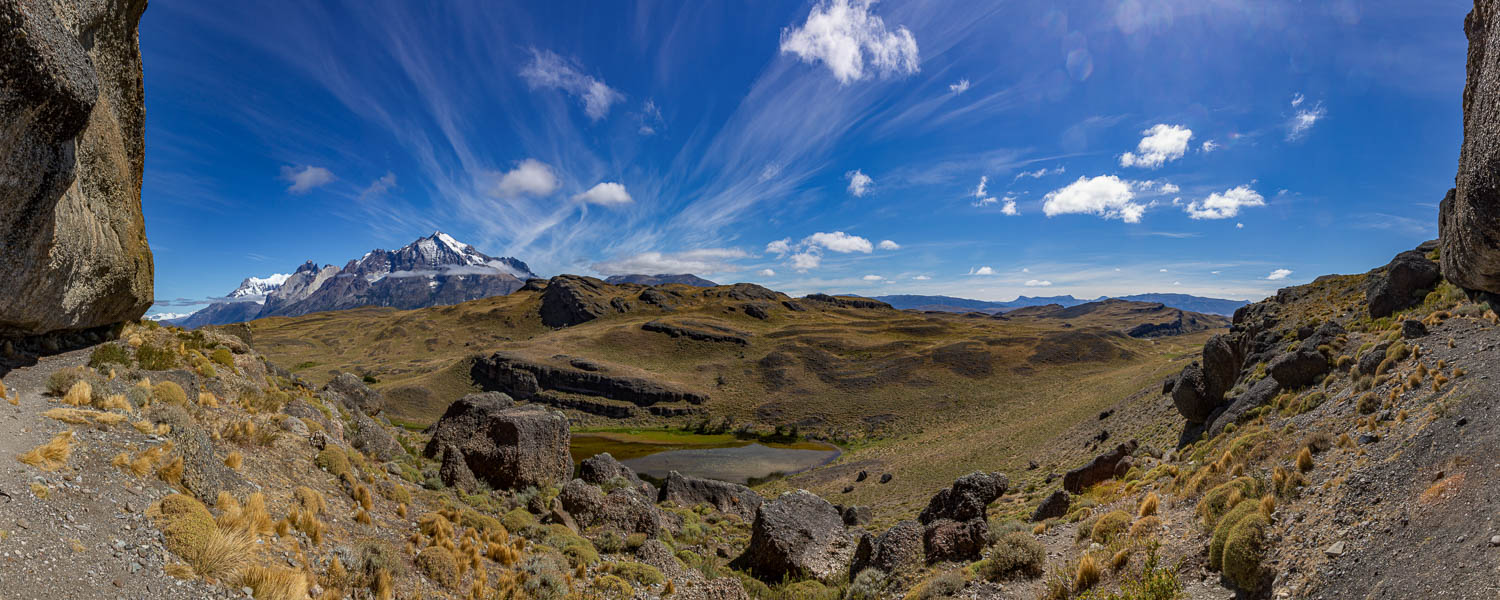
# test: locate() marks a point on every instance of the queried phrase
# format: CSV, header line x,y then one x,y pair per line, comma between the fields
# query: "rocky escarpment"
x,y
73,251
586,390
1468,229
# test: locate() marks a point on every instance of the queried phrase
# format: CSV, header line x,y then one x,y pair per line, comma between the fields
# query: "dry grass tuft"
x,y
172,471
234,460
275,583
81,394
190,532
1119,560
1304,460
363,497
309,500
1148,505
1087,575
114,402
1445,488
363,518
52,455
40,491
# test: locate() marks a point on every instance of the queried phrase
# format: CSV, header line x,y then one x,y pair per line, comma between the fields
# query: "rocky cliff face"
x,y
1470,214
73,252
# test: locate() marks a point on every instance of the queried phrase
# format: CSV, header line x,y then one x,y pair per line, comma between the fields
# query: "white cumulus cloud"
x,y
605,193
889,245
767,272
305,178
922,278
701,262
1162,143
1009,207
1037,283
845,36
531,177
959,87
859,183
548,70
1210,146
1106,196
1279,274
840,242
982,271
780,247
872,278
802,262
1225,205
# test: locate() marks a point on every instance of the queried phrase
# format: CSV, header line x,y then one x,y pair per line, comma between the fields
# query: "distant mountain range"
x,y
431,271
659,279
1214,306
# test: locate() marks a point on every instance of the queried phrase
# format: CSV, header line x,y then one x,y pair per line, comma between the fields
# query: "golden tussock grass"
x,y
381,586
1119,560
40,491
81,394
52,455
249,516
1268,504
79,416
143,426
113,402
172,471
309,500
1304,460
1087,575
401,510
275,583
1040,529
190,532
1148,505
363,518
208,400
362,495
234,460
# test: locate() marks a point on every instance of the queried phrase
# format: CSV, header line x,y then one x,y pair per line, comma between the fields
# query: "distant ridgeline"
x,y
431,271
1214,306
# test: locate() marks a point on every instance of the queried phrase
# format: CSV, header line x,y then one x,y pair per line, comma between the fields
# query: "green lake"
x,y
655,453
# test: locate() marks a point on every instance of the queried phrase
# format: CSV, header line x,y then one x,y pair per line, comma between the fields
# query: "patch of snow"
x,y
168,316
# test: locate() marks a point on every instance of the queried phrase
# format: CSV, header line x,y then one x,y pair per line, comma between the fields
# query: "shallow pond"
x,y
655,453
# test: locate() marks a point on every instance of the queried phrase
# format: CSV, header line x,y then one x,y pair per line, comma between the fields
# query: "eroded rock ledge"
x,y
588,391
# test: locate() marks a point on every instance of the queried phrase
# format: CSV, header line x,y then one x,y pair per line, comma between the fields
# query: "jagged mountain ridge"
x,y
431,271
1187,302
660,279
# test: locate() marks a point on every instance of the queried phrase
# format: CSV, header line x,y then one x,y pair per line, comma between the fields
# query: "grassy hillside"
x,y
925,397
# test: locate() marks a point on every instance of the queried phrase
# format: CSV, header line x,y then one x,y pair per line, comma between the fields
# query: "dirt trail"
x,y
89,538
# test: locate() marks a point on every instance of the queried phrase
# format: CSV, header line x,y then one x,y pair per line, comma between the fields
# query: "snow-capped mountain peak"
x,y
259,286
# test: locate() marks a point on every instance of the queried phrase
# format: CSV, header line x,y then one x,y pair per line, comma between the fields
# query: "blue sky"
x,y
1222,148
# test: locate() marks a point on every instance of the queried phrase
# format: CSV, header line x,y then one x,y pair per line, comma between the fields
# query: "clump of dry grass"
x,y
234,460
208,400
275,583
51,455
40,491
1087,575
172,471
363,517
80,394
1148,505
1304,460
190,532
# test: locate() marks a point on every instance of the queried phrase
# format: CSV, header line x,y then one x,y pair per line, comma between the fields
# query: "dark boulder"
x,y
861,476
897,550
1223,355
728,498
947,540
1400,284
1259,394
885,478
1412,329
1102,468
1325,334
349,391
507,448
1466,223
856,515
623,509
798,536
601,469
1054,506
1189,397
203,472
966,499
1298,369
463,419
455,472
370,437
1370,361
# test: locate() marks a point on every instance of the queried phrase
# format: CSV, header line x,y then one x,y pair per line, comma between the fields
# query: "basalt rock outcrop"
x,y
1402,283
1468,229
728,498
567,386
798,535
700,331
506,448
1103,468
956,522
897,550
73,253
572,299
623,510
